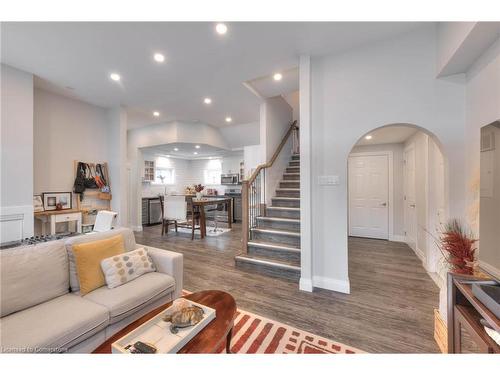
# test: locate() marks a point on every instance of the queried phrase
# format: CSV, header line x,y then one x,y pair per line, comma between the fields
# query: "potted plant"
x,y
458,246
199,188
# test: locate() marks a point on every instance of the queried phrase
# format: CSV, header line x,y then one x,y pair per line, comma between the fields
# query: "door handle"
x,y
384,204
413,205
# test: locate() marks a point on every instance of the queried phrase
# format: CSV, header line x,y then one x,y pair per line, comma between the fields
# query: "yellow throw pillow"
x,y
88,258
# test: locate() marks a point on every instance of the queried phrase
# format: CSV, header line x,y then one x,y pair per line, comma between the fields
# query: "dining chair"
x,y
175,211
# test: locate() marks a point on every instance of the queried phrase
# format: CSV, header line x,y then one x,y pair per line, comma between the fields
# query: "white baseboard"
x,y
342,286
305,285
136,228
420,254
490,269
397,238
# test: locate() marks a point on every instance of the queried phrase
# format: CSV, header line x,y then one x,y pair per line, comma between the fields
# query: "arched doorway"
x,y
397,192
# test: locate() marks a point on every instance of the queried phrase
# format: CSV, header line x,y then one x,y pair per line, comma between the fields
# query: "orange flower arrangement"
x,y
458,247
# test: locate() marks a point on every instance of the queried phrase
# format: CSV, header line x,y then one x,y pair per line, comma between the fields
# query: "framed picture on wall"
x,y
57,200
37,203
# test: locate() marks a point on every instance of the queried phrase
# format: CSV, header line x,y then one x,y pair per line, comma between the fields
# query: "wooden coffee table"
x,y
209,339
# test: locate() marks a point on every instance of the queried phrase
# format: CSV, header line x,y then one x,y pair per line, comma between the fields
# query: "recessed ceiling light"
x,y
197,146
156,114
221,28
114,76
176,149
368,137
195,153
159,57
229,119
207,100
277,76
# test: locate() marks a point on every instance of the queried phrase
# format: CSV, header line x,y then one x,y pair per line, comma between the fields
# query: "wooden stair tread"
x,y
277,231
268,262
276,218
274,245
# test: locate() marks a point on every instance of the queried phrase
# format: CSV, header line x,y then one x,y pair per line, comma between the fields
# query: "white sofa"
x,y
42,310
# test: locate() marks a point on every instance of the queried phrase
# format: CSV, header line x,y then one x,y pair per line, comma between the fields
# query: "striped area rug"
x,y
254,334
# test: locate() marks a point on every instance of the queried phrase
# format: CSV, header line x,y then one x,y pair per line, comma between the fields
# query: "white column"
x,y
117,162
305,174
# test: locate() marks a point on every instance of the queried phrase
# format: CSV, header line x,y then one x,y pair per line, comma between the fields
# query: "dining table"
x,y
202,203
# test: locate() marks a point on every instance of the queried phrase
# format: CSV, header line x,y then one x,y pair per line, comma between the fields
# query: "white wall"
x,y
450,37
253,157
397,168
16,138
293,98
482,108
67,129
389,82
238,136
490,204
275,117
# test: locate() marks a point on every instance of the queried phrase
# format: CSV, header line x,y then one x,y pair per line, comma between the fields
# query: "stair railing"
x,y
253,191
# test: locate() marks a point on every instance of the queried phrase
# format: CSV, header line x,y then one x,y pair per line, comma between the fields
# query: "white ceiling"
x,y
267,87
388,134
186,151
199,62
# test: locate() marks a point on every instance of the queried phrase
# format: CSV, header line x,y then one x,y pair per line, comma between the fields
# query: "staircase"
x,y
273,247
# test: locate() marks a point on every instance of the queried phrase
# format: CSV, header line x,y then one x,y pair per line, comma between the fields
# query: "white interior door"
x,y
369,196
410,210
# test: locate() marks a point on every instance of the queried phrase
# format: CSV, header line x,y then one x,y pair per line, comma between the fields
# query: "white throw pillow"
x,y
120,269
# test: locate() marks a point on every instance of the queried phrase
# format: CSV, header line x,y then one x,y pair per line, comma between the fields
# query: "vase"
x,y
199,195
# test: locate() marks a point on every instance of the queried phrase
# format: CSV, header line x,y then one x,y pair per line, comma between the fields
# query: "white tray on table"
x,y
157,332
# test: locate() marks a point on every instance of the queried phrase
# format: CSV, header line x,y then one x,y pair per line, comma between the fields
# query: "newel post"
x,y
245,212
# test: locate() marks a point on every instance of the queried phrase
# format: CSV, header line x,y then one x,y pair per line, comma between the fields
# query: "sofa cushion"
x,y
54,325
123,300
120,269
88,257
128,239
32,274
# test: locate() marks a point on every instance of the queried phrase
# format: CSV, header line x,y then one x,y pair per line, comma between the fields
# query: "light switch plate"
x,y
328,180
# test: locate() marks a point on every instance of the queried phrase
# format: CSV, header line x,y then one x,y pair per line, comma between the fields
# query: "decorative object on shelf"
x,y
53,199
458,246
199,188
37,203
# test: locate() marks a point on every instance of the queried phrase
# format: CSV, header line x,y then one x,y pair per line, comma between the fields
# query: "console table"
x,y
465,311
61,216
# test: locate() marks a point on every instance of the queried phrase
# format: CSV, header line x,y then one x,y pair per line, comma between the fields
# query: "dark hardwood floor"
x,y
389,310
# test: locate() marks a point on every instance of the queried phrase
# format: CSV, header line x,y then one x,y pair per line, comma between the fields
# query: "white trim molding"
x,y
492,270
305,285
397,238
342,286
420,254
136,228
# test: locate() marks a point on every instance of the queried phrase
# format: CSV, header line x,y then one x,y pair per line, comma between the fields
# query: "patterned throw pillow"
x,y
120,269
